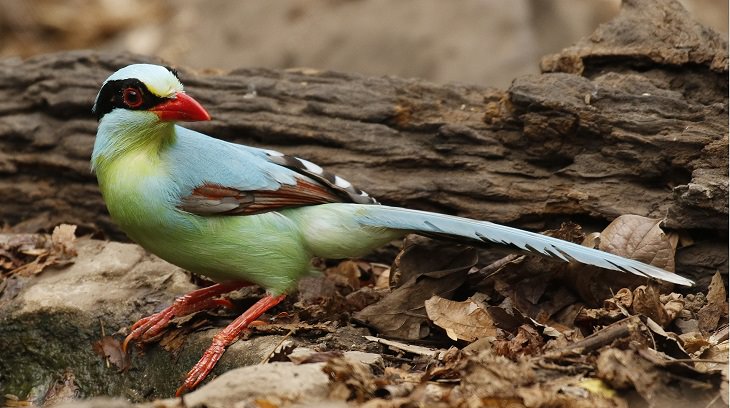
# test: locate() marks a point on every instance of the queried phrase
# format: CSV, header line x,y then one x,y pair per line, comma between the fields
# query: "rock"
x,y
278,384
56,317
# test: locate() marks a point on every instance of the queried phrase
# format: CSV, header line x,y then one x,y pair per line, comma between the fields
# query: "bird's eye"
x,y
132,97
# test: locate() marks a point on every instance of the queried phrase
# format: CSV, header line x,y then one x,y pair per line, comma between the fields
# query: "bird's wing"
x,y
220,178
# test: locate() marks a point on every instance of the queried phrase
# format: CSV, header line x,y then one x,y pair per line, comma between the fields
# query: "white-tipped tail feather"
x,y
422,221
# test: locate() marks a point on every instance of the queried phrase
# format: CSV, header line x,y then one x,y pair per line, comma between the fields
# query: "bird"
x,y
242,215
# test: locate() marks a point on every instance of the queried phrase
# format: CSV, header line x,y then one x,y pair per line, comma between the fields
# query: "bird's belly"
x,y
264,249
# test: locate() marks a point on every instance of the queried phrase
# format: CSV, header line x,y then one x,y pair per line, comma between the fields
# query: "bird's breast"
x,y
137,190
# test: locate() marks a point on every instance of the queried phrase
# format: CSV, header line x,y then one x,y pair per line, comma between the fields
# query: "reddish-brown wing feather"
x,y
211,199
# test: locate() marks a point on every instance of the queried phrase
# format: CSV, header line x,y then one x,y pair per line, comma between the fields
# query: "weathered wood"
x,y
623,122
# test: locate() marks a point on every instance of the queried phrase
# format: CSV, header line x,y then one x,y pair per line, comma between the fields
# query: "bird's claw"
x,y
223,339
149,328
204,366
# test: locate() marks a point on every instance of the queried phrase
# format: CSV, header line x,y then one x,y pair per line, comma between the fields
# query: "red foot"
x,y
225,338
146,329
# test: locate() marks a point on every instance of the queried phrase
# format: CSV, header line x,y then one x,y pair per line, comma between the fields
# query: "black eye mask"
x,y
111,96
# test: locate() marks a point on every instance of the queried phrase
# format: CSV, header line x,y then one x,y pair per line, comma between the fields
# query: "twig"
x,y
605,336
692,360
271,353
410,348
712,401
103,334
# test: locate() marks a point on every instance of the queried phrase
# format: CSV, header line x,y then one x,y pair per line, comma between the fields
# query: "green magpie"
x,y
242,215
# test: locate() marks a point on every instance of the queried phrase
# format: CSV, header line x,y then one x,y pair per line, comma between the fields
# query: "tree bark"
x,y
631,120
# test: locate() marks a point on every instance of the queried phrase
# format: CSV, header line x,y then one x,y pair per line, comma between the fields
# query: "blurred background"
x,y
485,42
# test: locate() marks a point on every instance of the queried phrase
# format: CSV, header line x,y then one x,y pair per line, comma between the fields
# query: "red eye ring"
x,y
132,97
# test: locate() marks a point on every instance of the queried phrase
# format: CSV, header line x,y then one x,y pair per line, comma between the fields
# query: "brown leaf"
x,y
694,343
313,289
506,318
527,342
433,268
673,304
711,313
715,357
64,241
61,251
646,302
319,299
360,299
489,375
630,236
466,320
660,386
173,339
611,368
640,238
349,381
282,353
111,349
667,343
348,273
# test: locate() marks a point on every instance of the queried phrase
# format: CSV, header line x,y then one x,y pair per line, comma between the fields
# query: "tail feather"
x,y
426,222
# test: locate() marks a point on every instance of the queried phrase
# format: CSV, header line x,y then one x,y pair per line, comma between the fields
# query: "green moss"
x,y
36,348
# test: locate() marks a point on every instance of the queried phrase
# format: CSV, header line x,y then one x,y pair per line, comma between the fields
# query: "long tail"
x,y
422,221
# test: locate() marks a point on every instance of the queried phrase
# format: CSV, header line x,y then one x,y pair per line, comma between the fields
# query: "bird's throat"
x,y
128,143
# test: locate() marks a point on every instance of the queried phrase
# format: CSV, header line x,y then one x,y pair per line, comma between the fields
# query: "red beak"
x,y
182,108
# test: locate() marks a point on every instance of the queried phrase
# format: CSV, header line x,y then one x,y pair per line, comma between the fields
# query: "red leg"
x,y
225,338
201,299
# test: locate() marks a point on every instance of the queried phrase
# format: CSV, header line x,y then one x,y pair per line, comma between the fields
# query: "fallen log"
x,y
627,121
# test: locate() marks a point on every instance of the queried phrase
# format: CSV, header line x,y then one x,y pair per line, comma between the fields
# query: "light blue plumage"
x,y
237,213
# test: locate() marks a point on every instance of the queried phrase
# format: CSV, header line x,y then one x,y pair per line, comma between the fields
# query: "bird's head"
x,y
146,94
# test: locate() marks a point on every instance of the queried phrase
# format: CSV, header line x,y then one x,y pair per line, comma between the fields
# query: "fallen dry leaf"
x,y
349,273
319,299
640,238
527,342
466,320
659,386
363,297
710,314
349,381
647,303
622,300
695,343
433,268
110,349
64,240
667,343
630,236
715,357
60,251
488,375
673,304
